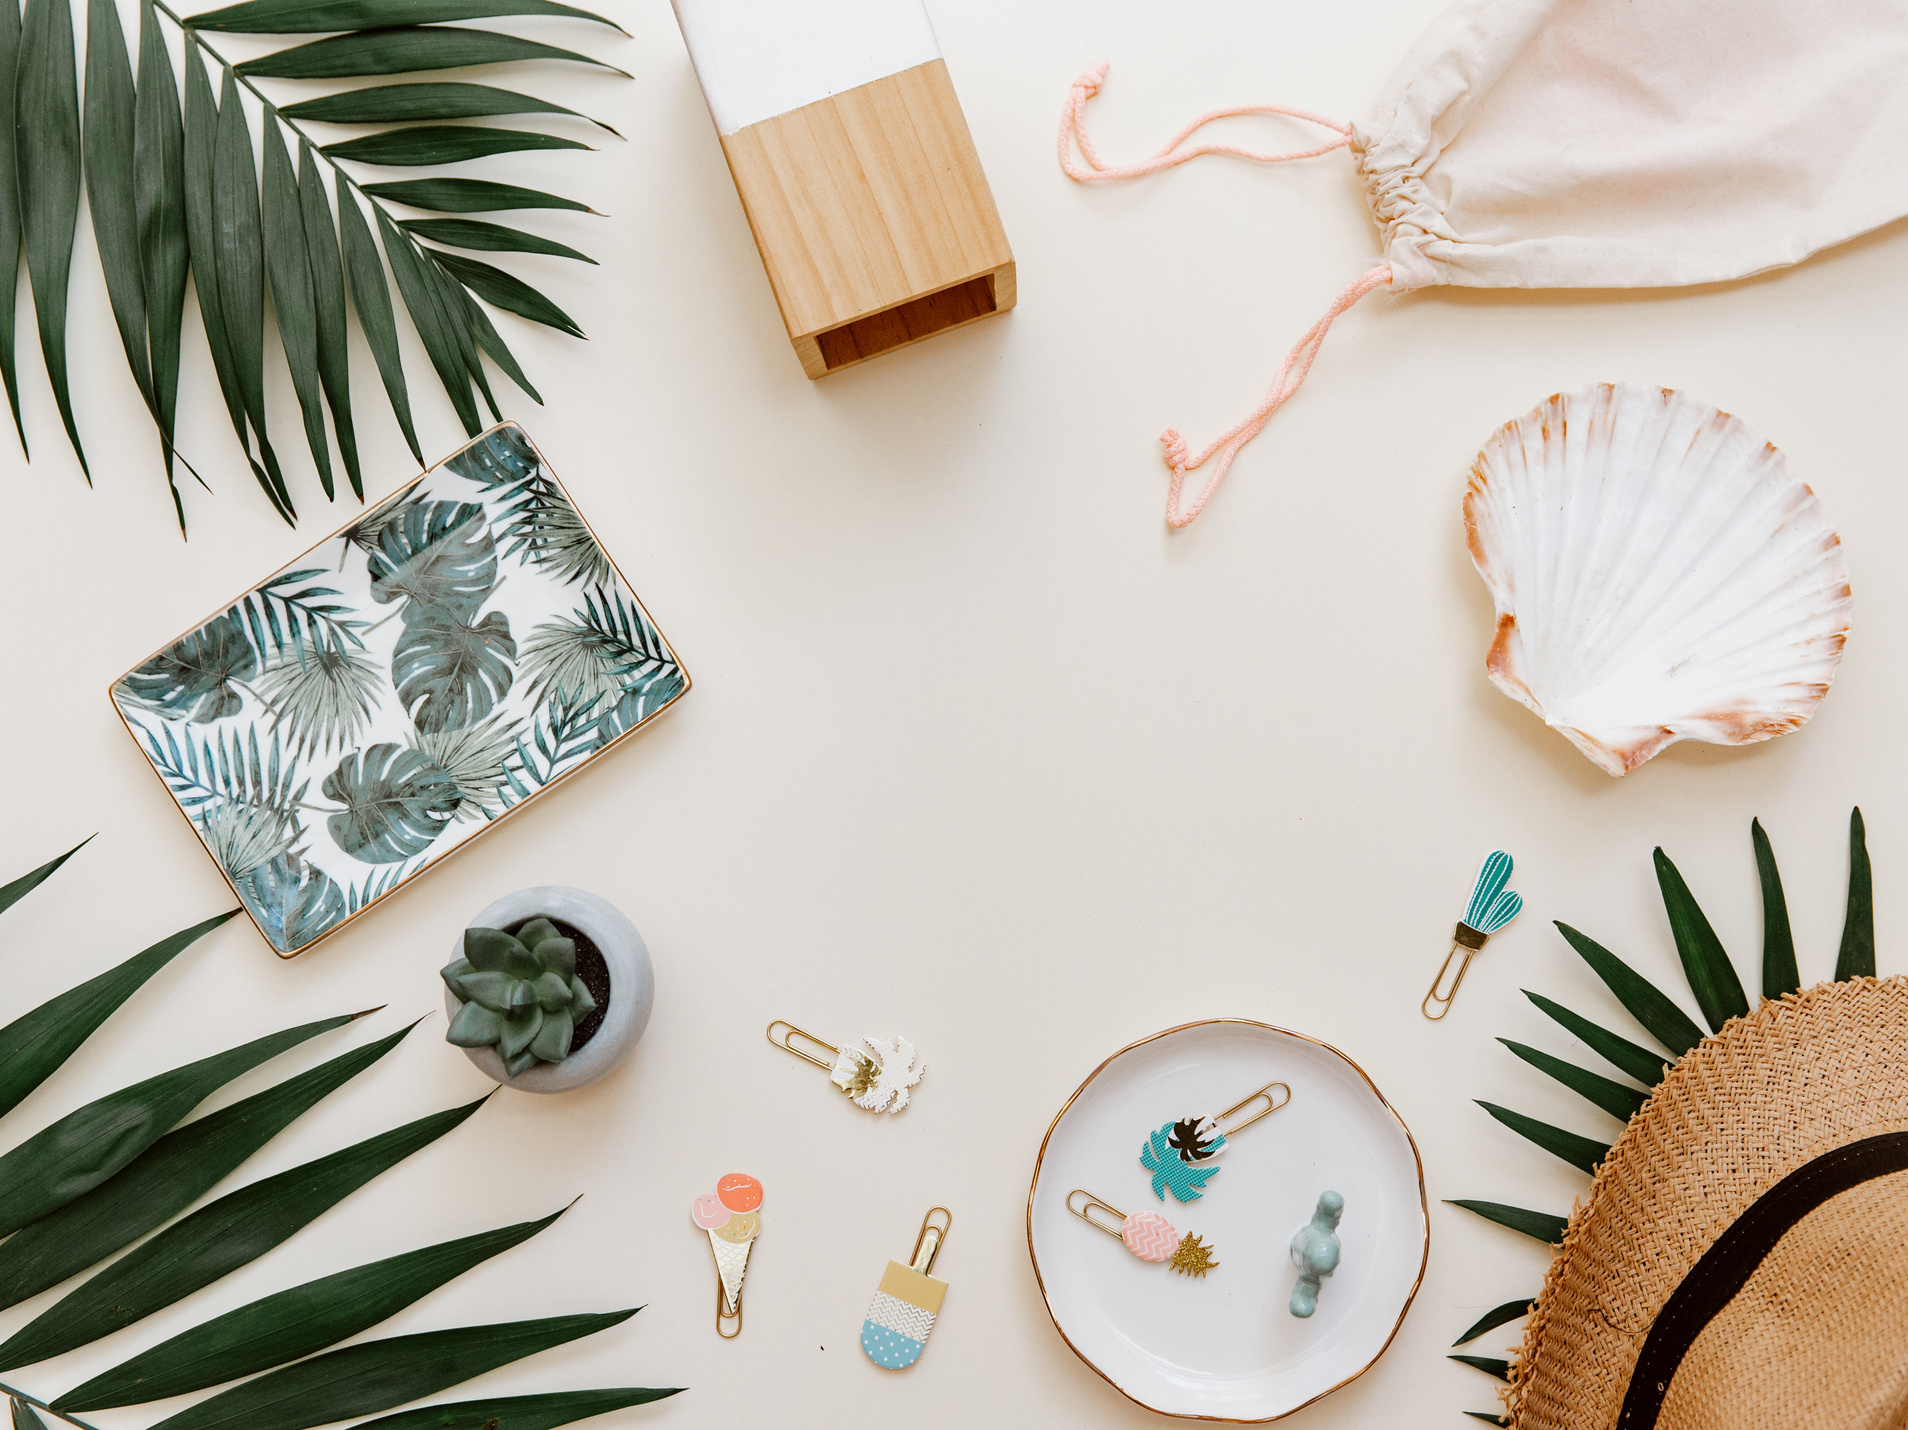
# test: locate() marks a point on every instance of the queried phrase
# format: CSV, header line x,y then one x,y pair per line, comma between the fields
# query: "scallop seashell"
x,y
1658,574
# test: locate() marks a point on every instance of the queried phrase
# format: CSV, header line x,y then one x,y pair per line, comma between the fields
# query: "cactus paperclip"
x,y
1148,1235
1180,1153
878,1080
908,1299
1491,907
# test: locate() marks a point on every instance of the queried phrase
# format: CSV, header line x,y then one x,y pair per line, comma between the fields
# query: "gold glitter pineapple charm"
x,y
1148,1235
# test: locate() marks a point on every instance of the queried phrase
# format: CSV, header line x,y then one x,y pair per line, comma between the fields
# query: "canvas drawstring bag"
x,y
1593,144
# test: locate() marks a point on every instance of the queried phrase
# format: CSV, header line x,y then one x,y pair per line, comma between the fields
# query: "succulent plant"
x,y
521,994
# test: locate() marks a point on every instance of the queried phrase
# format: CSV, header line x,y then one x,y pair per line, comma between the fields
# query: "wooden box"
x,y
855,168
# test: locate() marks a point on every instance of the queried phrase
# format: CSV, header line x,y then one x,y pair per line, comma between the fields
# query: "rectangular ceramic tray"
x,y
435,665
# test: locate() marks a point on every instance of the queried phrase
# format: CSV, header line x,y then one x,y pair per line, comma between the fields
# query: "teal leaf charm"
x,y
1179,1155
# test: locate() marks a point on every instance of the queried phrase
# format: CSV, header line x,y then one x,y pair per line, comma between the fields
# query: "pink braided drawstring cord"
x,y
1073,128
1298,363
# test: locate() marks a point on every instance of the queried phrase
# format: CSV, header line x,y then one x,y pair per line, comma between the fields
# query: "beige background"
x,y
977,751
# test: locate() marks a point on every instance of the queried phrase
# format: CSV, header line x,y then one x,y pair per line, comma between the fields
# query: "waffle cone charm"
x,y
907,1301
728,1217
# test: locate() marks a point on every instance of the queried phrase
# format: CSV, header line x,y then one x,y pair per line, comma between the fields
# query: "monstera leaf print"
x,y
193,677
450,673
292,901
437,555
396,801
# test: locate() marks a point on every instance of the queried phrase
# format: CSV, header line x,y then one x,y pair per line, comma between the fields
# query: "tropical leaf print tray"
x,y
388,696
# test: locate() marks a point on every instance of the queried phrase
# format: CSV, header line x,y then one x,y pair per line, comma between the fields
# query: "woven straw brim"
x,y
1774,1090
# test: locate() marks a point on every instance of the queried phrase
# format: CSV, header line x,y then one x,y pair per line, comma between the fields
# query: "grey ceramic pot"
x,y
632,985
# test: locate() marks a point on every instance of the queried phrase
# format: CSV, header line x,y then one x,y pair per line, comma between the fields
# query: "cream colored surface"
x,y
977,752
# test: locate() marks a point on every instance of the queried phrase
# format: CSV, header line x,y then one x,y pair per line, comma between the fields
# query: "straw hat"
x,y
1741,1259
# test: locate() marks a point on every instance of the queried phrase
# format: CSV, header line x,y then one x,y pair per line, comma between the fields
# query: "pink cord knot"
x,y
1175,449
1090,80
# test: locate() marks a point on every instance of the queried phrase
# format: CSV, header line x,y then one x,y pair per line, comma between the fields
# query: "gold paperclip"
x,y
1468,939
1272,1105
879,1079
1148,1235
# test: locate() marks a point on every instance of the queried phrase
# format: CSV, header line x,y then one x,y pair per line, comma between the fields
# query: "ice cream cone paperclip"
x,y
878,1080
908,1299
728,1216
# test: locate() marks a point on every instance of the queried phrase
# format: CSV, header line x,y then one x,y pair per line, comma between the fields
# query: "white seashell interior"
x,y
1658,574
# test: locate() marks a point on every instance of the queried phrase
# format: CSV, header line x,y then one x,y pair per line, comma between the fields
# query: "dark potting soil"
x,y
590,967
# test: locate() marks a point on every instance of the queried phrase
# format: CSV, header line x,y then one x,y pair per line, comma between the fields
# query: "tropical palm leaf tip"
x,y
1492,904
168,195
68,1212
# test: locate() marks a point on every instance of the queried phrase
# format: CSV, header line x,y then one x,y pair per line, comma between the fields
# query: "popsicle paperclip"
x,y
1148,1235
908,1299
1491,907
728,1215
878,1079
1180,1153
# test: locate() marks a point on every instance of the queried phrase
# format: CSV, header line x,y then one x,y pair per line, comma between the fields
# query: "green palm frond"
x,y
1633,1058
607,649
1490,1365
1856,958
474,757
1712,978
243,836
322,694
1779,973
174,186
1613,1097
72,1201
1647,1003
1539,1226
1581,1152
1497,1316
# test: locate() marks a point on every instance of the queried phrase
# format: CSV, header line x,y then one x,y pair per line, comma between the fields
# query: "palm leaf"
x,y
159,212
1712,978
289,270
513,295
1540,1226
378,1375
1581,1152
402,103
492,342
84,1148
36,1044
1489,1417
518,1412
1779,973
238,259
24,1418
1639,1062
167,1178
312,17
1664,1021
487,237
292,1323
441,144
215,1240
107,148
404,48
328,302
47,131
432,324
9,217
199,166
1497,1316
468,196
1619,1101
18,889
1856,958
371,301
1490,1365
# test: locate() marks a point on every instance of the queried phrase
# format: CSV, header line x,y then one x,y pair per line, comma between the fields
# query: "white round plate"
x,y
1224,1347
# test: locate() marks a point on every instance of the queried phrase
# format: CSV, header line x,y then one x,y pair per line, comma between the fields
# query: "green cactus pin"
x,y
521,994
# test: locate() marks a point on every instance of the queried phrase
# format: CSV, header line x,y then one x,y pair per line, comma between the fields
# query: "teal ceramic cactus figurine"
x,y
521,994
1315,1252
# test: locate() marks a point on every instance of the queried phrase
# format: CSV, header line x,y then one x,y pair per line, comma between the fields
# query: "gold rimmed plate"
x,y
1224,1347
